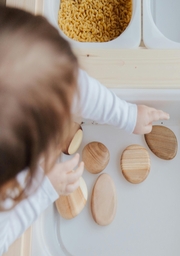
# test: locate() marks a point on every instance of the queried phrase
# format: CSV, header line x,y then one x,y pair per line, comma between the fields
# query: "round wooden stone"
x,y
95,156
135,163
162,141
104,200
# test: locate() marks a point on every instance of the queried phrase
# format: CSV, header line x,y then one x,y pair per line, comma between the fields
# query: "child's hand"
x,y
145,117
63,176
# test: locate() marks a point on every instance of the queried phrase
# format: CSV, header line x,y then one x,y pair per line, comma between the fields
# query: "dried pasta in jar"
x,y
94,20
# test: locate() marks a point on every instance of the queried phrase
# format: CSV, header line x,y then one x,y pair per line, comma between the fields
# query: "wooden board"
x,y
22,246
22,4
33,6
143,68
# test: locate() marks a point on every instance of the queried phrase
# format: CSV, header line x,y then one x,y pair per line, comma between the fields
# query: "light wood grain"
x,y
103,200
26,243
132,68
135,163
33,6
39,7
23,4
71,205
162,141
95,156
22,246
15,249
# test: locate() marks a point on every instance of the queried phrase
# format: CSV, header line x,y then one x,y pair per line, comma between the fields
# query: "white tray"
x,y
161,28
130,38
161,19
147,220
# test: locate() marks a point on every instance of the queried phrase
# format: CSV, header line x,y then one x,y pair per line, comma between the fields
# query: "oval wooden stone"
x,y
162,141
103,200
74,139
95,156
71,205
135,163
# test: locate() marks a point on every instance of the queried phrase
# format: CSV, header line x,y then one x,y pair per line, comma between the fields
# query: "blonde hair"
x,y
38,76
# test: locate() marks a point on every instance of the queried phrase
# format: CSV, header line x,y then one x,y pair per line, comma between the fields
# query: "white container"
x,y
130,38
161,24
147,220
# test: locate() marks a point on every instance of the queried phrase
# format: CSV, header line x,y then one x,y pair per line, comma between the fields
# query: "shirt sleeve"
x,y
96,103
14,222
99,104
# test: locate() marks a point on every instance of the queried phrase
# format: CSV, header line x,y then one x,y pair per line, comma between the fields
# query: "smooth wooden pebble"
x,y
71,205
95,156
103,200
135,163
162,141
74,139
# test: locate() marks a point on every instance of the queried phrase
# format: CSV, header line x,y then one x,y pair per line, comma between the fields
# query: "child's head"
x,y
38,74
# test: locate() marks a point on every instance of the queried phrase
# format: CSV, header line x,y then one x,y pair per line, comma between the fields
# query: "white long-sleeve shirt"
x,y
96,103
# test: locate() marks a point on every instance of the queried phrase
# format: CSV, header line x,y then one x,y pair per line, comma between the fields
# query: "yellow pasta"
x,y
94,20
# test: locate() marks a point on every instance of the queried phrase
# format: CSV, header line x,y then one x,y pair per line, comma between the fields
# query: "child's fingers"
x,y
75,175
147,129
156,115
71,164
71,187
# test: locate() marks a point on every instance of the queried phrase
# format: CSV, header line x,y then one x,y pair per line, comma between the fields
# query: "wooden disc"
x,y
71,205
74,139
162,142
103,200
95,156
135,163
75,142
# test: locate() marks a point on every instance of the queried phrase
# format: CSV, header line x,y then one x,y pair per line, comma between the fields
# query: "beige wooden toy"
x,y
103,200
74,139
71,205
162,142
95,156
135,163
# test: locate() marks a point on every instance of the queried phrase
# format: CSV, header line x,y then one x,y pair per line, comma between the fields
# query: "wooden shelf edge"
x,y
22,246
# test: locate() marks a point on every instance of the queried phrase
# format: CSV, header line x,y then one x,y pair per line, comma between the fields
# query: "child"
x,y
41,88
